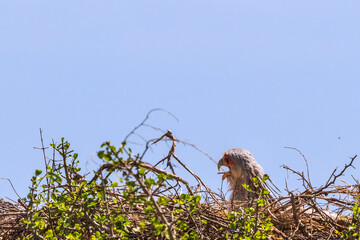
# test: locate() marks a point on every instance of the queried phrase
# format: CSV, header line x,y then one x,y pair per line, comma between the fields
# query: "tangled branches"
x,y
128,198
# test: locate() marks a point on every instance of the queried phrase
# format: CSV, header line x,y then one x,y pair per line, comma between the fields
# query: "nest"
x,y
153,203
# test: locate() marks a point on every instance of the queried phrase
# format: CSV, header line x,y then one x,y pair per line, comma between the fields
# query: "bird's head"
x,y
234,160
227,162
240,162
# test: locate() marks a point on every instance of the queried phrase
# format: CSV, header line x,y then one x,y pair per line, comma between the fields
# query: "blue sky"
x,y
244,74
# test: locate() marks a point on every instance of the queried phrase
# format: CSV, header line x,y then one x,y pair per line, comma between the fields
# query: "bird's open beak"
x,y
225,174
220,164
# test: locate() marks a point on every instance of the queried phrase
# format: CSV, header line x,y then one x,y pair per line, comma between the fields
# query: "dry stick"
x,y
141,137
195,147
323,215
12,214
283,235
331,232
146,118
296,218
198,179
36,235
43,148
216,222
12,186
47,179
172,151
332,200
334,177
153,127
297,173
307,166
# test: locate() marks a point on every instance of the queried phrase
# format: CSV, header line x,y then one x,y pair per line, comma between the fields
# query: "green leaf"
x,y
142,171
148,210
100,195
161,177
261,202
163,201
53,196
113,148
249,211
149,182
131,183
101,154
247,187
197,199
49,233
38,172
265,178
62,207
169,177
264,192
177,211
184,196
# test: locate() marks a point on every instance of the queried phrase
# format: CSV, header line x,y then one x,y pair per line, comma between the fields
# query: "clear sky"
x,y
259,75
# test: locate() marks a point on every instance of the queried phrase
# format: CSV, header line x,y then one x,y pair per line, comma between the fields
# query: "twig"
x,y
19,198
146,118
306,162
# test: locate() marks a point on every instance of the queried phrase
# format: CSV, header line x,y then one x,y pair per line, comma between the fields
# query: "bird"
x,y
242,169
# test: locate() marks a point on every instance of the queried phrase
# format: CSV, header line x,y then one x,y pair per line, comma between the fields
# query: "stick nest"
x,y
127,198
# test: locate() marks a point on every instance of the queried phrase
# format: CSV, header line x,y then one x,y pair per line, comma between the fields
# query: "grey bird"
x,y
242,169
